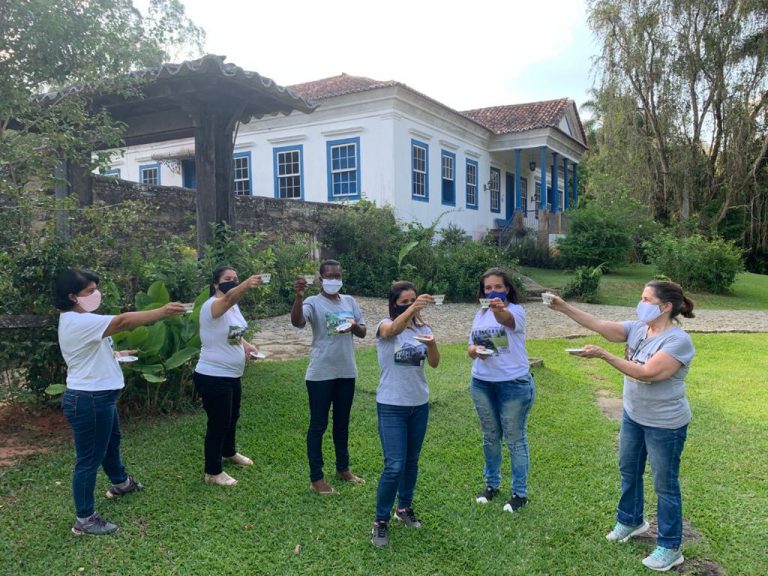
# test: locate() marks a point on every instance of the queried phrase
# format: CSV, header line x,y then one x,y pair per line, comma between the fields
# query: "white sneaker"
x,y
622,532
220,479
662,559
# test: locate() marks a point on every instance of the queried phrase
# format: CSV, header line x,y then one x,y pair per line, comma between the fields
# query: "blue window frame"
x,y
242,181
289,172
110,172
448,177
343,159
471,199
149,174
495,190
419,171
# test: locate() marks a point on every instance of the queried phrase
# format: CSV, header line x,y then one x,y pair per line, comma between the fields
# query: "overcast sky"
x,y
465,55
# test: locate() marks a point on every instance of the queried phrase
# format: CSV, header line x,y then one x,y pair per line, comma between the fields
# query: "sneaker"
x,y
239,459
131,486
380,534
487,495
407,517
220,479
622,532
662,559
94,525
515,503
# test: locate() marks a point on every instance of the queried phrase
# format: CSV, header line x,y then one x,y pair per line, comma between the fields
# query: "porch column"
x,y
543,170
575,185
555,187
518,197
566,190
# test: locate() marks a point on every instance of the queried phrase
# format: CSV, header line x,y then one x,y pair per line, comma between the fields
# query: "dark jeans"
x,y
401,431
96,430
322,394
663,448
221,400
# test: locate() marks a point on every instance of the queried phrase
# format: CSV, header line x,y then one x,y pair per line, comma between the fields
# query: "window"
x,y
241,173
344,169
419,171
288,172
149,174
448,177
495,190
471,184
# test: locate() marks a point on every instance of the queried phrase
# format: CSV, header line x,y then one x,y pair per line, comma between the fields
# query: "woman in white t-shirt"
x,y
402,403
94,381
217,374
502,386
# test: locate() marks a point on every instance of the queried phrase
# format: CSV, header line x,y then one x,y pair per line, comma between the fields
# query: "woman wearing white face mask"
x,y
656,360
331,374
94,381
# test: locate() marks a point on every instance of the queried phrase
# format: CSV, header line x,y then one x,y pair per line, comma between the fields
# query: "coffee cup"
x,y
485,303
438,298
309,279
547,297
188,307
265,278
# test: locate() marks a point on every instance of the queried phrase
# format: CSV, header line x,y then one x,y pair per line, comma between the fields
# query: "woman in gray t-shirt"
x,y
657,357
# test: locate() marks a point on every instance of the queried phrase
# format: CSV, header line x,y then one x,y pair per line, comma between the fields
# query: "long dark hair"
x,y
71,281
671,292
397,288
217,274
513,295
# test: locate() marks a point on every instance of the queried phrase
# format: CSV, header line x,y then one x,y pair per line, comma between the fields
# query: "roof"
x,y
498,119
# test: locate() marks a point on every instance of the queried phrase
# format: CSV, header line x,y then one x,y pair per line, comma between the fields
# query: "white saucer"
x,y
484,352
127,359
423,338
574,351
343,327
258,355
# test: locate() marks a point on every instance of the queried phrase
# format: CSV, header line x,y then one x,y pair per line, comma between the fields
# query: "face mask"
x,y
227,286
401,308
331,286
491,295
91,302
648,312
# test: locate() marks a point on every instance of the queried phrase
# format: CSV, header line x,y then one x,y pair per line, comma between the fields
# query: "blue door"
x,y
510,195
188,173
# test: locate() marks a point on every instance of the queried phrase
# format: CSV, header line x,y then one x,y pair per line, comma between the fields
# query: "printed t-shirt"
x,y
402,381
331,354
510,359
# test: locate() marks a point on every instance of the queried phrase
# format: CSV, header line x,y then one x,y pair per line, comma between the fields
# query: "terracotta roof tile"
x,y
338,86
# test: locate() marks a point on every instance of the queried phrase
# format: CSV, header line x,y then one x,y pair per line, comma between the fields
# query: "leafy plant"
x,y
585,284
596,236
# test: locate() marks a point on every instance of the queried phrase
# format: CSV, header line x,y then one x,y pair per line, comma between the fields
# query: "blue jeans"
x,y
503,408
323,394
96,430
401,431
662,447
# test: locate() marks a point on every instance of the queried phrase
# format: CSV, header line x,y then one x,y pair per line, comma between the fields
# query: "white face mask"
x,y
648,312
331,286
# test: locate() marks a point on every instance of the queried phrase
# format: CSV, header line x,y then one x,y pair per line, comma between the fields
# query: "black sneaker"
x,y
515,503
380,534
407,517
487,495
94,525
116,491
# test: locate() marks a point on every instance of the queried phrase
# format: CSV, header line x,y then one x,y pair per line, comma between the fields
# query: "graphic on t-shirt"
x,y
235,334
333,319
410,355
492,338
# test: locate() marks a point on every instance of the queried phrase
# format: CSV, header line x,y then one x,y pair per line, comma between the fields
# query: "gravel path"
x,y
451,323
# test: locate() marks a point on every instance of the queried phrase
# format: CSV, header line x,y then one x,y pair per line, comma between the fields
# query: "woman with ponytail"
x,y
657,356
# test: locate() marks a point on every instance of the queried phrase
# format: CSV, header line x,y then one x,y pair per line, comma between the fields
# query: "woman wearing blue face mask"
x,y
656,360
502,386
217,375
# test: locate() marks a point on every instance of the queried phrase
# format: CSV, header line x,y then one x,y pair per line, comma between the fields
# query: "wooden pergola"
x,y
204,99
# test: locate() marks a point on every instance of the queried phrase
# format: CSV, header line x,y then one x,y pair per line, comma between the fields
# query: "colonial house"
x,y
392,145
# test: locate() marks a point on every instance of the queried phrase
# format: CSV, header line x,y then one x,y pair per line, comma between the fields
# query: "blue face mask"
x,y
492,295
647,312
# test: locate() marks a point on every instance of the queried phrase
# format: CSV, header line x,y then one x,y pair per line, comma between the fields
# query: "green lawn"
x,y
623,286
271,524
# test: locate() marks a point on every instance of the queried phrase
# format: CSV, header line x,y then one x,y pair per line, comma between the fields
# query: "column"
x,y
575,185
543,170
518,197
555,187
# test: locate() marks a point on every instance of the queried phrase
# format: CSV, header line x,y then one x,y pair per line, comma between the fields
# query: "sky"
x,y
466,55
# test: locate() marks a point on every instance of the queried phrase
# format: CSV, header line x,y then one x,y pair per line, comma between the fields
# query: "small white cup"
x,y
188,307
546,298
438,298
309,279
265,278
485,303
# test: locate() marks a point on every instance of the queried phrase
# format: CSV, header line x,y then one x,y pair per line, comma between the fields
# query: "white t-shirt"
x,y
510,359
91,364
222,353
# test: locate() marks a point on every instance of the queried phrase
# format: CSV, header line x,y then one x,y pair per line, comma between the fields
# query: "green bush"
x,y
596,237
585,284
696,263
528,251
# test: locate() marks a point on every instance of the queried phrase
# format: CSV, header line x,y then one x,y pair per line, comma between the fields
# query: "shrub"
x,y
597,237
696,263
529,252
585,284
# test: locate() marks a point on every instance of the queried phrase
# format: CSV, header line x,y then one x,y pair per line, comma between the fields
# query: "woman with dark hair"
x,y
94,381
657,356
502,386
217,375
402,403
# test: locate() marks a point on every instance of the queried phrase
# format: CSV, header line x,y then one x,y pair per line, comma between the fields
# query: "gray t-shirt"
x,y
660,404
331,354
402,381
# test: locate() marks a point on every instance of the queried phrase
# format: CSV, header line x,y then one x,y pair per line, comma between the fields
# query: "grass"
x,y
271,524
623,286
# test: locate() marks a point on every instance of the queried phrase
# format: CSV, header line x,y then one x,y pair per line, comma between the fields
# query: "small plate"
x,y
258,355
423,338
575,351
343,327
484,352
127,359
